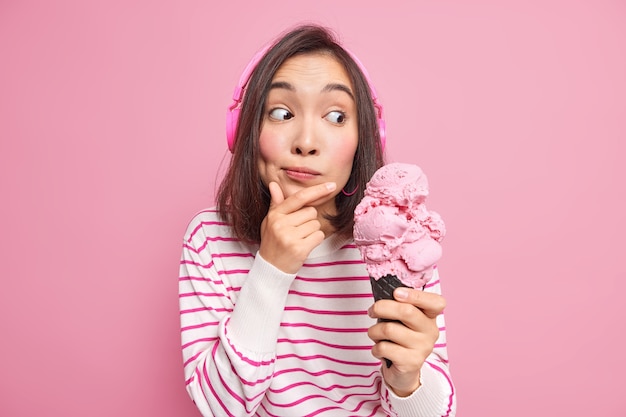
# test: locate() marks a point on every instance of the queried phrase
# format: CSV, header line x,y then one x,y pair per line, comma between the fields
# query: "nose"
x,y
306,140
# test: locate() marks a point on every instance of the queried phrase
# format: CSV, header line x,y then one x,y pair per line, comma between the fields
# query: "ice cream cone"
x,y
382,288
398,237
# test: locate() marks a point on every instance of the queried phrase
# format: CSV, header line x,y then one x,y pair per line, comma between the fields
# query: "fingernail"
x,y
369,312
331,186
402,293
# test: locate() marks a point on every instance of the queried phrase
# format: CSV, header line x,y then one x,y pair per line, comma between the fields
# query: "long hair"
x,y
242,199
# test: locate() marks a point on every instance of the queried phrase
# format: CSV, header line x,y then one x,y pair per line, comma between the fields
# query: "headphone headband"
x,y
232,114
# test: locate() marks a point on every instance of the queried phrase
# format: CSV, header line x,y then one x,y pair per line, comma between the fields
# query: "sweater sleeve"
x,y
228,345
436,396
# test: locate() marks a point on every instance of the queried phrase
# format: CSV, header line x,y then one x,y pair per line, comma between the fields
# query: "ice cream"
x,y
398,237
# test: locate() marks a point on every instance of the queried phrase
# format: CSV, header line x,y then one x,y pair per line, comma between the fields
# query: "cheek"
x,y
344,150
269,146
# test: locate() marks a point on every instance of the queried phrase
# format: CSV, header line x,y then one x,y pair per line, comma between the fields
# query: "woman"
x,y
276,306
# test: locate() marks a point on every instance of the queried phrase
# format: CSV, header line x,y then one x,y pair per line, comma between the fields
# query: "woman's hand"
x,y
408,343
291,229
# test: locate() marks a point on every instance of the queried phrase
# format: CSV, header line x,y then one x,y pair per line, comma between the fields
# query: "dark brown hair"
x,y
242,199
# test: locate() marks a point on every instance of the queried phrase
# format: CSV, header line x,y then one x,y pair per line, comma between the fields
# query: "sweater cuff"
x,y
434,397
258,310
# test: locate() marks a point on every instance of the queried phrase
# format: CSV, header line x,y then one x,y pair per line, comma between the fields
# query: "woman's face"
x,y
309,134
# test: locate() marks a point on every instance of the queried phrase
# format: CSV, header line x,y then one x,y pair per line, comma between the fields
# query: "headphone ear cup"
x,y
232,117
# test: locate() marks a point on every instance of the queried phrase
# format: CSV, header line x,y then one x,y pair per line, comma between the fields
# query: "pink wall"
x,y
112,134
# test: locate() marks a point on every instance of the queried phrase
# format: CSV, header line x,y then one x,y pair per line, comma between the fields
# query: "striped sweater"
x,y
260,342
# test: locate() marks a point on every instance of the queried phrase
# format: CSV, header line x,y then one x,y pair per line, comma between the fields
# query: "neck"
x,y
326,226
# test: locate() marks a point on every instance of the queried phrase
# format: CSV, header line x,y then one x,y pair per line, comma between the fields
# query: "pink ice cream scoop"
x,y
395,232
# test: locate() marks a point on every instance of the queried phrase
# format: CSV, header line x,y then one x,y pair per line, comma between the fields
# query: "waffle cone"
x,y
382,288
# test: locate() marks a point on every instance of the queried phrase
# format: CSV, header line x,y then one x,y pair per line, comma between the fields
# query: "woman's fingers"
x,y
291,229
430,303
300,199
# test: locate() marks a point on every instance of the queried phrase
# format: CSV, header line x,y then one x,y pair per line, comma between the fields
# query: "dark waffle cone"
x,y
382,288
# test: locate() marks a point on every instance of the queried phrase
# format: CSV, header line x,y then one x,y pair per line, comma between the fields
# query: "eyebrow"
x,y
338,87
327,88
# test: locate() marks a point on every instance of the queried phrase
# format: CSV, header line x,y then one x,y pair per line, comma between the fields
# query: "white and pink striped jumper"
x,y
260,342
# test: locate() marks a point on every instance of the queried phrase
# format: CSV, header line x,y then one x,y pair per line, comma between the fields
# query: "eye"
x,y
337,117
280,114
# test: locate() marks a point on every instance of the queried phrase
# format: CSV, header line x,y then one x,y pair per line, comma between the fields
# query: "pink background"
x,y
112,136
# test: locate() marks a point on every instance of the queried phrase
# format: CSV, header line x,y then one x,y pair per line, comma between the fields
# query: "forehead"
x,y
319,66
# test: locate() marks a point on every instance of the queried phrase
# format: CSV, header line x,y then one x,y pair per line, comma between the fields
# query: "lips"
x,y
301,173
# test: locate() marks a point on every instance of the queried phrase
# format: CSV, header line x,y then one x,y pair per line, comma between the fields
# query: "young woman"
x,y
276,307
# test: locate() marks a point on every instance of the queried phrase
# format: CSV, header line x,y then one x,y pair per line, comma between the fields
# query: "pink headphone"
x,y
232,114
